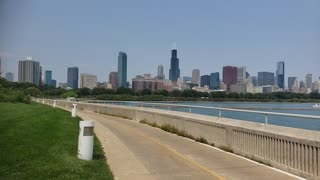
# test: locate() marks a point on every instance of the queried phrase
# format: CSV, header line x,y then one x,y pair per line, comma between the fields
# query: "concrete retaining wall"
x,y
293,150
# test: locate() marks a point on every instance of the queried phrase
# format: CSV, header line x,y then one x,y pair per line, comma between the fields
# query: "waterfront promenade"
x,y
138,151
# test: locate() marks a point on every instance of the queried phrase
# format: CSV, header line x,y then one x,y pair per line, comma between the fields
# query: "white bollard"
x,y
42,101
54,103
86,139
74,110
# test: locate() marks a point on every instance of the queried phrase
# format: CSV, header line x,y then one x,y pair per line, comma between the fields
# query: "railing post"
x,y
266,119
190,109
220,113
74,110
86,140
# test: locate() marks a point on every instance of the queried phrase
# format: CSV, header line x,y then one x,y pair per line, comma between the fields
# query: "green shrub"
x,y
69,94
32,91
14,96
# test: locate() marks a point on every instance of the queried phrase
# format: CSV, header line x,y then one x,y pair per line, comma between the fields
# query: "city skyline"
x,y
155,72
237,75
265,34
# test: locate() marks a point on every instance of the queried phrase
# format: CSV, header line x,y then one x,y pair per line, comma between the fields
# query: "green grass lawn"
x,y
40,142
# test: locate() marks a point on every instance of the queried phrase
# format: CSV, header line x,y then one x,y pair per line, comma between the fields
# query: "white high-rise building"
x,y
195,76
88,81
308,81
29,71
160,72
316,86
296,86
241,74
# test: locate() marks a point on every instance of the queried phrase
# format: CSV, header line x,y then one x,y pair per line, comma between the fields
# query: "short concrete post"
x,y
169,108
190,110
54,103
74,110
220,113
86,140
42,101
153,107
266,119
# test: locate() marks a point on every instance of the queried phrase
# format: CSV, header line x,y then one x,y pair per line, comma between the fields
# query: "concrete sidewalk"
x,y
138,151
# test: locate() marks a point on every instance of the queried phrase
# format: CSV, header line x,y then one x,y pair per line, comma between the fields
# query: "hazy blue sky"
x,y
209,35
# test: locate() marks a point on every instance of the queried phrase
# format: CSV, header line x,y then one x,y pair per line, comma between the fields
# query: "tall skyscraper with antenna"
x,y
174,72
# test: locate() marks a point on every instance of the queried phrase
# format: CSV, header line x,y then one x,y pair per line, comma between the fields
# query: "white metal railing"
x,y
220,109
293,150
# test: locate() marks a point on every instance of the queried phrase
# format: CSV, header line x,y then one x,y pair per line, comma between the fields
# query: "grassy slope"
x,y
39,142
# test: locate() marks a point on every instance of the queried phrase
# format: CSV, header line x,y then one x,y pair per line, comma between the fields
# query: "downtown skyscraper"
x,y
122,69
308,81
265,78
280,75
195,77
73,77
160,74
241,74
229,76
205,80
29,71
88,81
174,72
214,81
48,78
113,79
291,81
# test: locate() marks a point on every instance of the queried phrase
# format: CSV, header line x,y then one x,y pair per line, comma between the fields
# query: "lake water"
x,y
304,123
292,108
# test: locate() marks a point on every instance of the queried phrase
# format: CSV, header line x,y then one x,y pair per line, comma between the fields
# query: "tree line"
x,y
15,90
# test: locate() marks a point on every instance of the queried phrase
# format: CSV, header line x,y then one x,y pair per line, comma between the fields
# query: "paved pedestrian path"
x,y
138,151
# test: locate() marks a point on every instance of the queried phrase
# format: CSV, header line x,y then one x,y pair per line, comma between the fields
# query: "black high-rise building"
x,y
174,72
205,80
280,75
265,78
214,81
73,77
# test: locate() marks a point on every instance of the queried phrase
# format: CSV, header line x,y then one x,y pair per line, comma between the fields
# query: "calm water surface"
x,y
304,123
299,108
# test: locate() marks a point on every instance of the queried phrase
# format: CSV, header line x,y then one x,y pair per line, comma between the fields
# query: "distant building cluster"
x,y
139,83
232,79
